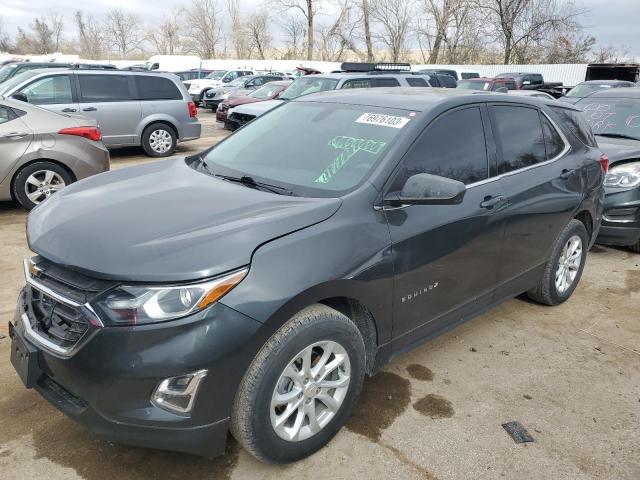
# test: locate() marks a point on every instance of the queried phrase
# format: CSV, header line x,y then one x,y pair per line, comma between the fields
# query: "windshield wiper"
x,y
617,135
251,182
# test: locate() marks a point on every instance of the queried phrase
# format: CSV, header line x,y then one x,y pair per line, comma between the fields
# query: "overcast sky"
x,y
611,22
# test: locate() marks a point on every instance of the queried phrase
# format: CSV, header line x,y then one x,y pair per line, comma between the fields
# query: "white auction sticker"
x,y
383,120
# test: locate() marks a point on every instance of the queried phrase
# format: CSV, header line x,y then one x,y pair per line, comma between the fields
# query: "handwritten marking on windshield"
x,y
349,146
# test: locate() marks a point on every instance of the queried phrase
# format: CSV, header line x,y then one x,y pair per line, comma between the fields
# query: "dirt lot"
x,y
569,374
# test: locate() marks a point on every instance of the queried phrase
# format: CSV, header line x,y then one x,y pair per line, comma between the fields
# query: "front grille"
x,y
223,107
242,118
54,300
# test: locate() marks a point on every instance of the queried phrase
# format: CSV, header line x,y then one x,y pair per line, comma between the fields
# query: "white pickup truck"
x,y
198,87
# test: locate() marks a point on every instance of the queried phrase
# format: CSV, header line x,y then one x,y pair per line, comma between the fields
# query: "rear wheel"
x,y
564,268
301,387
159,140
36,182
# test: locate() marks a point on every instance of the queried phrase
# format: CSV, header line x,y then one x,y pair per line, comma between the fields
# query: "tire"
x,y
159,140
50,178
255,408
549,291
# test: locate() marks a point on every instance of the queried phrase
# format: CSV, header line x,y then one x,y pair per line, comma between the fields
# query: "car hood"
x,y
242,100
204,82
257,108
164,222
619,149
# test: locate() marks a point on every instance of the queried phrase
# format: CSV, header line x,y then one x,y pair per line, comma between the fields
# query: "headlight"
x,y
623,176
135,305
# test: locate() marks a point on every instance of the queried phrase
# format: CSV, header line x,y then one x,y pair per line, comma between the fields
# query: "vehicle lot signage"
x,y
382,120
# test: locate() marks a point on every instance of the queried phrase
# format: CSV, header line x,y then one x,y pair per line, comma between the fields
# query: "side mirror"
x,y
427,189
20,96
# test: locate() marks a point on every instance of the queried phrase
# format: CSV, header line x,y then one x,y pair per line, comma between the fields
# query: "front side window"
x,y
49,90
308,84
520,137
313,149
104,88
442,151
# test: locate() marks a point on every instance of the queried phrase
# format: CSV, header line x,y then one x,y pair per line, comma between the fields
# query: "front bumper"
x,y
211,102
621,219
107,383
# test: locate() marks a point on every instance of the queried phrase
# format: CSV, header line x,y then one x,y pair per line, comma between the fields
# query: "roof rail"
x,y
363,67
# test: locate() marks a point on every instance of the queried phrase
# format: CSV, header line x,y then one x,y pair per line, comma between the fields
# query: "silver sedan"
x,y
43,151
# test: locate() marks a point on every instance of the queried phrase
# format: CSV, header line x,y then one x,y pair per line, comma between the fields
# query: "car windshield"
x,y
238,82
329,148
6,70
612,116
585,89
216,74
469,85
307,85
265,92
18,79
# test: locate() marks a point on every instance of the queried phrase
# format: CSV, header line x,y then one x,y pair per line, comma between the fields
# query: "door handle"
x,y
16,135
90,109
69,110
566,174
490,202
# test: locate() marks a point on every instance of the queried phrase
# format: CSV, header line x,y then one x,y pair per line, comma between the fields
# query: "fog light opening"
x,y
177,394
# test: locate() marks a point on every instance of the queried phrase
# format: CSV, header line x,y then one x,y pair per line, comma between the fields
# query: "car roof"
x,y
486,79
604,82
412,98
632,92
373,74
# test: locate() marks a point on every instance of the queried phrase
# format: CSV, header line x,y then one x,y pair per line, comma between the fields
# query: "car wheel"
x,y
301,387
36,182
564,269
159,140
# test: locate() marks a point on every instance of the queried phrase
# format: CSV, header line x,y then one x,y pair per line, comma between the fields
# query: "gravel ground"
x,y
569,374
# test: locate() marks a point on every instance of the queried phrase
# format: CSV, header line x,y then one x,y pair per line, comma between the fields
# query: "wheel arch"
x,y
587,220
31,162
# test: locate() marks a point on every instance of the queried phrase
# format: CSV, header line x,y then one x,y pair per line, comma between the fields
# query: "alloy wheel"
x,y
42,184
310,391
569,264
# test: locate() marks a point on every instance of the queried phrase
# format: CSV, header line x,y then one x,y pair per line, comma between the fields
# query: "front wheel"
x,y
301,387
564,268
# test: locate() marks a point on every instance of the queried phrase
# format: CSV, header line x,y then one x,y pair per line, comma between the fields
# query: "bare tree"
x,y
204,27
518,24
123,31
294,33
166,37
258,28
366,25
237,33
308,8
5,40
338,37
569,47
56,23
394,17
91,36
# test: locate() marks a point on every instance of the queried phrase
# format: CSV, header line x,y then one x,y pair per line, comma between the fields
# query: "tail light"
x,y
604,162
90,133
193,110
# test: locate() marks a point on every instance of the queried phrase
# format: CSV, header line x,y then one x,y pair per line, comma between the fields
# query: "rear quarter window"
x,y
386,82
156,88
417,82
577,124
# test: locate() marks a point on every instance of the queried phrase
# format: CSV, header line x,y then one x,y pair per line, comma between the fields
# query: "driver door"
x,y
446,257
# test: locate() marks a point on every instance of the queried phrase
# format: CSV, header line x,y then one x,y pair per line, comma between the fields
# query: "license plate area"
x,y
24,358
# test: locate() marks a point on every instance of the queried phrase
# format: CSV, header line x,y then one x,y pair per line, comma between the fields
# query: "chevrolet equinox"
x,y
250,288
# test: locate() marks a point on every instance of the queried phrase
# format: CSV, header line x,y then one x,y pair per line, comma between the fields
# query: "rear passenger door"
x,y
109,99
542,182
446,257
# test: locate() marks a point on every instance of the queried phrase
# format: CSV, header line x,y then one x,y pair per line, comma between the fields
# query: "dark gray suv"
x,y
250,288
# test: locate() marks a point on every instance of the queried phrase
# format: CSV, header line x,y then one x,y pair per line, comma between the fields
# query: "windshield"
x,y
585,89
469,85
613,115
265,92
6,70
238,82
329,148
307,85
216,74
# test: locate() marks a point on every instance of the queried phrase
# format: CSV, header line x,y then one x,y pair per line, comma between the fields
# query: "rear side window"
x,y
386,82
578,125
448,81
417,82
104,88
554,145
510,85
156,88
520,137
440,151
